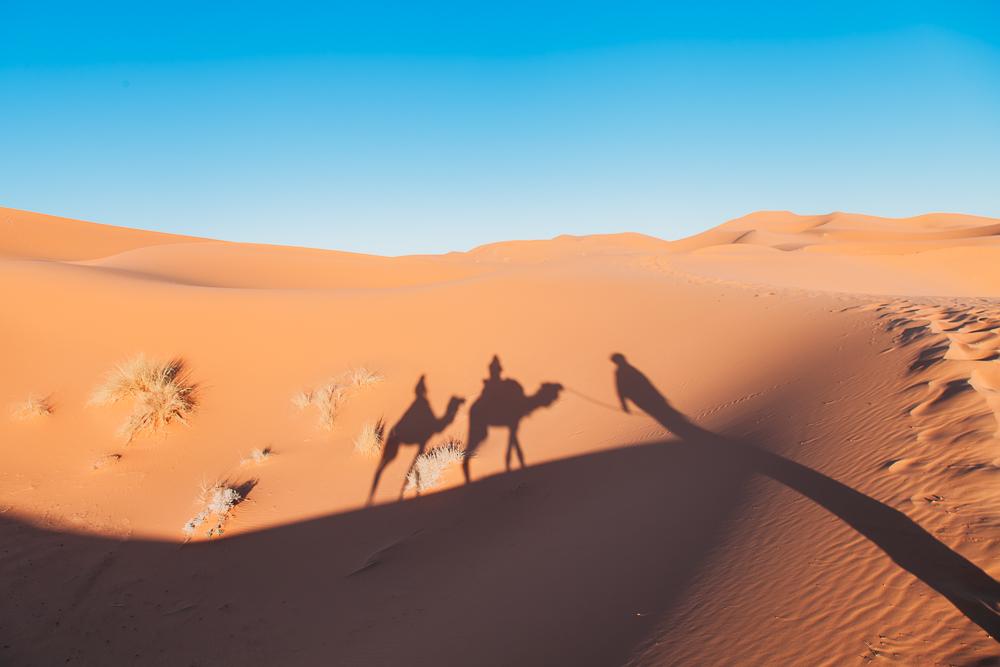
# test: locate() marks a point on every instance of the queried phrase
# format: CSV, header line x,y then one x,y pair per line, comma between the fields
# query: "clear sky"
x,y
397,127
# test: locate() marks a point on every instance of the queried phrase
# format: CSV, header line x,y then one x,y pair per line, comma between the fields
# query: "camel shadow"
x,y
416,427
971,590
503,403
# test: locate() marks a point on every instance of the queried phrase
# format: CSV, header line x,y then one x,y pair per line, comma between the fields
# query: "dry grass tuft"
x,y
329,397
429,466
258,456
362,377
326,398
160,392
32,407
217,501
302,399
369,441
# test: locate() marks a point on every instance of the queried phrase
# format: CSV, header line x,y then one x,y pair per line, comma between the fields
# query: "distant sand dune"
x,y
934,255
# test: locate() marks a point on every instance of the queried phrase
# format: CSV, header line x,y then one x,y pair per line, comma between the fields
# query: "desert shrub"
x,y
331,395
328,399
107,460
32,407
362,377
302,399
369,441
160,393
258,455
217,502
431,465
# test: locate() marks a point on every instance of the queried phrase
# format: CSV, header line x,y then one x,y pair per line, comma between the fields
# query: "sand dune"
x,y
37,236
807,473
934,255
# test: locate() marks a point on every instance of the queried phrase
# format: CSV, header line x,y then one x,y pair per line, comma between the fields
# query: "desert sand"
x,y
807,473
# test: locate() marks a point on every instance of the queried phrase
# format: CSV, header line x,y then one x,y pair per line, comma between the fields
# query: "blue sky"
x,y
400,127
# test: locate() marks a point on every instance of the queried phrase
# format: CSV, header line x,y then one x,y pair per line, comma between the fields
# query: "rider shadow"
x,y
416,427
971,590
503,403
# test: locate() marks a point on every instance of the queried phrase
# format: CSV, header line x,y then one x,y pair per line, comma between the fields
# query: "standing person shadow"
x,y
971,590
503,403
417,425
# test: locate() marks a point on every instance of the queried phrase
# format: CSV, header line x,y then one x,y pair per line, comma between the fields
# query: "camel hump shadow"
x,y
416,427
504,403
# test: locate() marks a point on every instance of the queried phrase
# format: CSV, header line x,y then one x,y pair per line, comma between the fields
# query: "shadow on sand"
x,y
970,589
502,403
416,427
506,570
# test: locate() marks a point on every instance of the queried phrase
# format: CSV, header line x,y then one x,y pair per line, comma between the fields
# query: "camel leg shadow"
x,y
513,444
477,434
413,469
389,453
